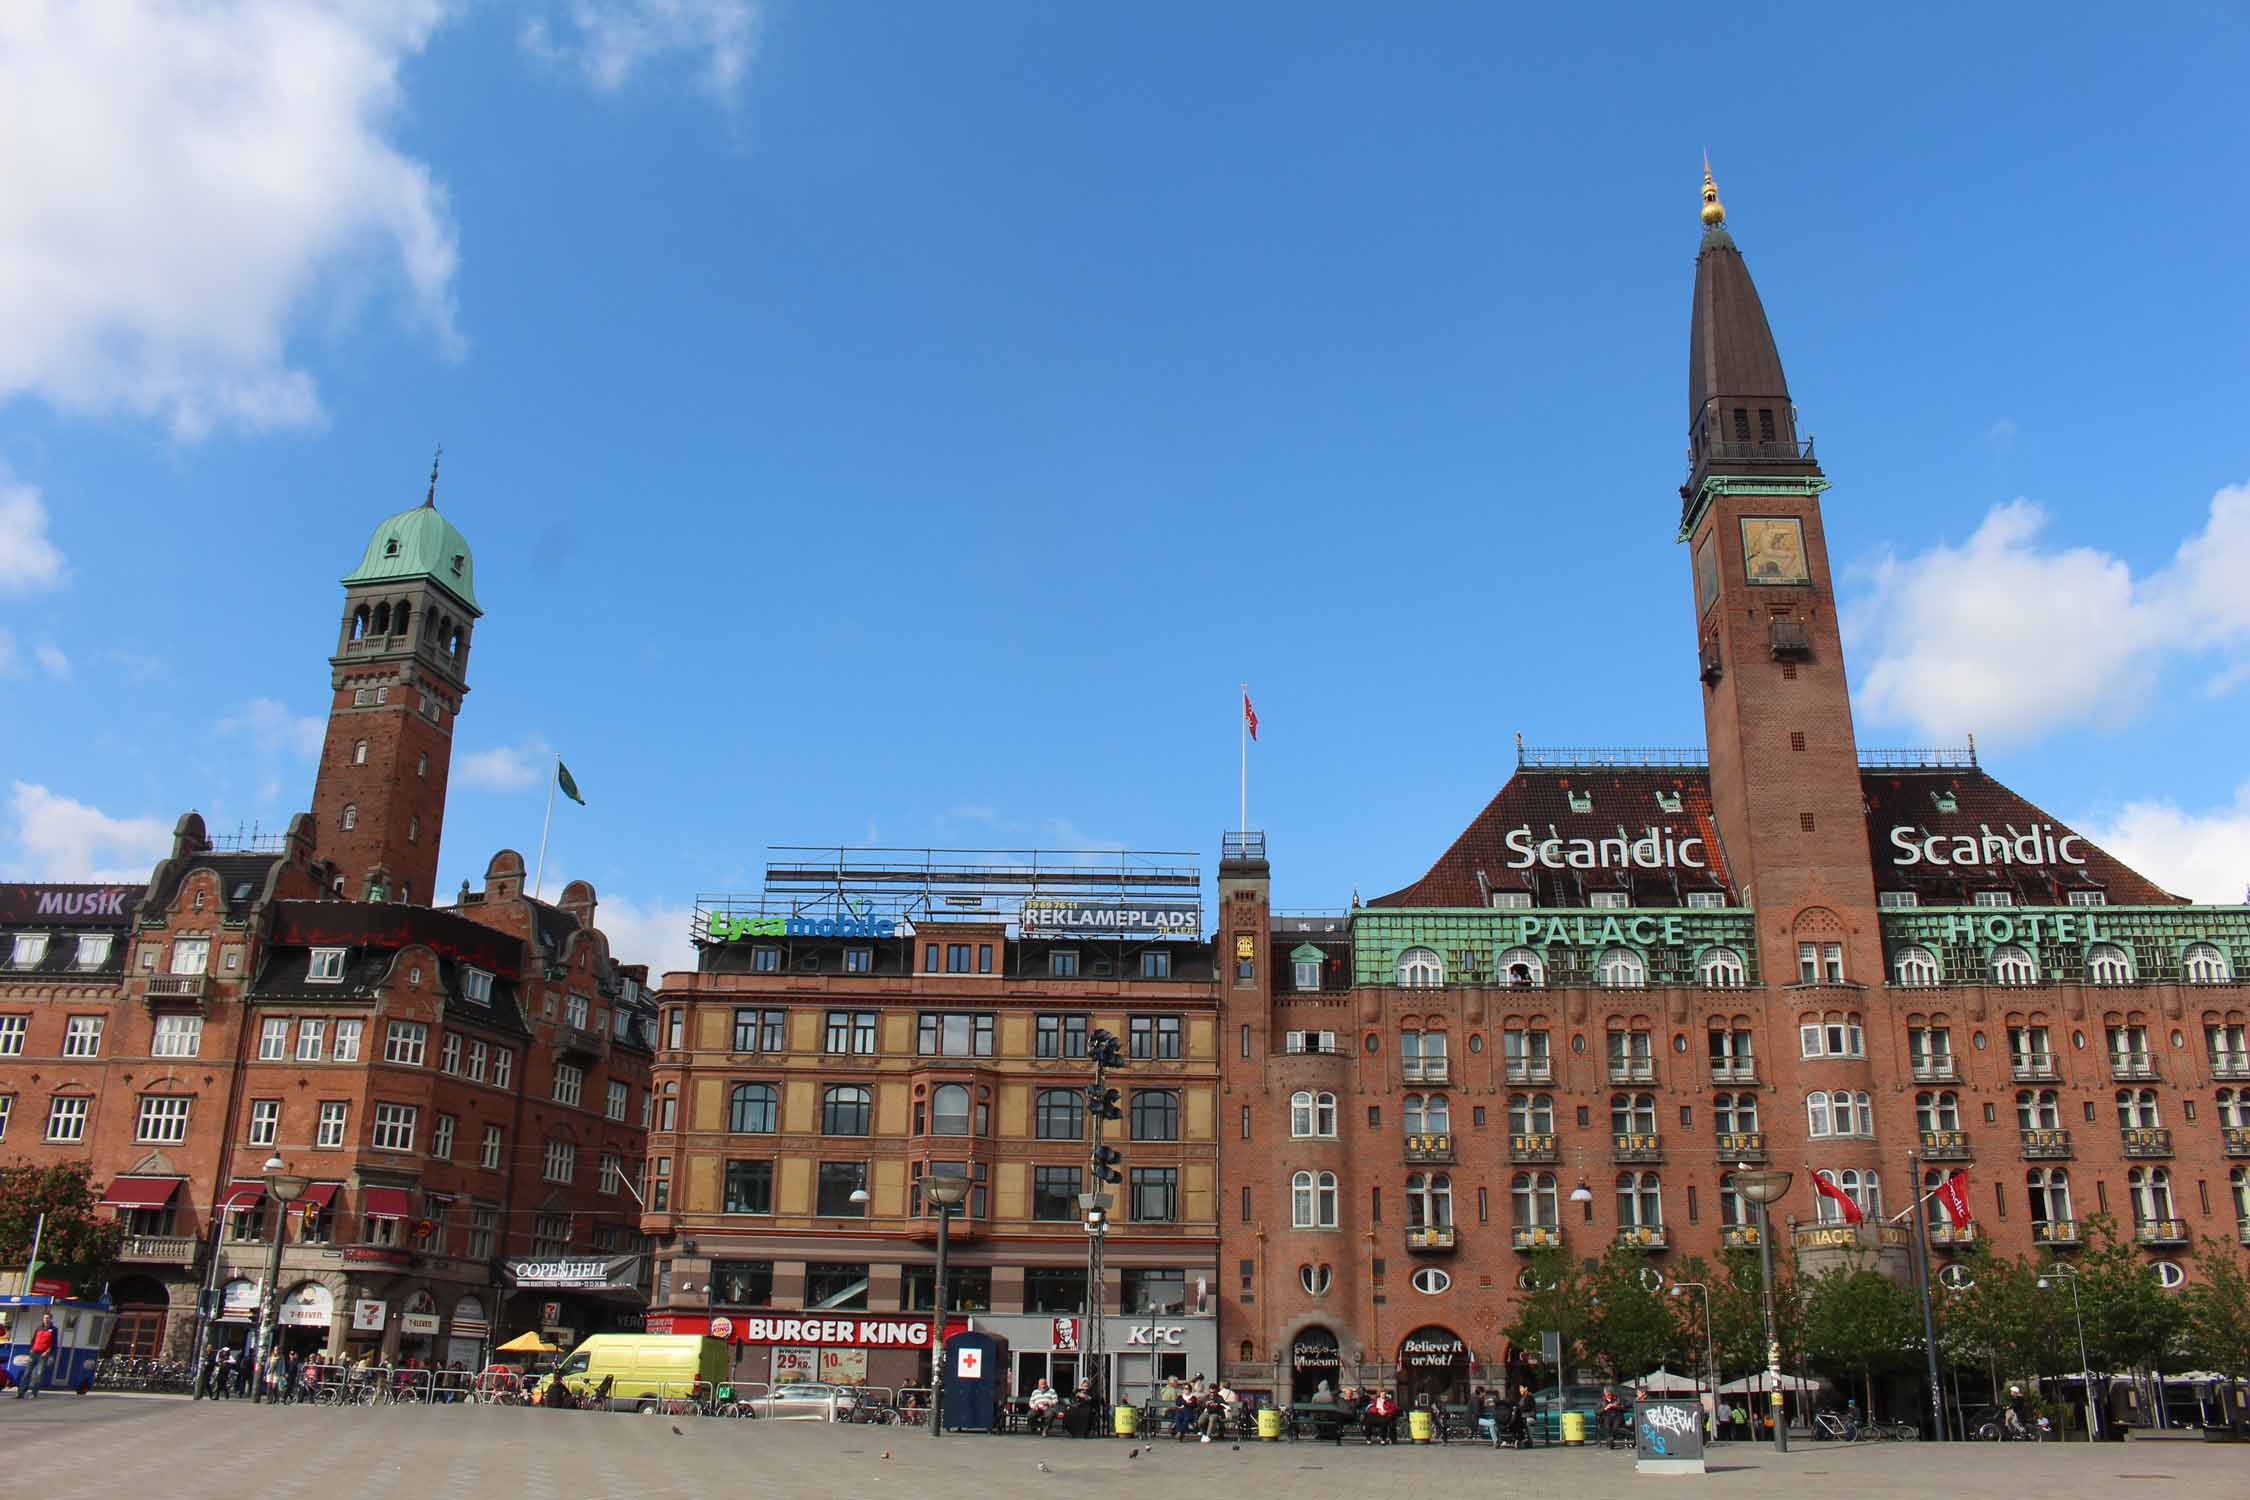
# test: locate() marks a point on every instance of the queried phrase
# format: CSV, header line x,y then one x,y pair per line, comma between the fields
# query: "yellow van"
x,y
646,1369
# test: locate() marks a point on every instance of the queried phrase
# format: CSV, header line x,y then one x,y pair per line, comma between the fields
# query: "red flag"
x,y
1953,1197
1828,1189
1249,714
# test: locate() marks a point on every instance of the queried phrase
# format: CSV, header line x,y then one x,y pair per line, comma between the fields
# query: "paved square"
x,y
61,1447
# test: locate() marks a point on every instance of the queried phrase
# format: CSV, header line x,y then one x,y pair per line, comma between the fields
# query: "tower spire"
x,y
429,501
1714,212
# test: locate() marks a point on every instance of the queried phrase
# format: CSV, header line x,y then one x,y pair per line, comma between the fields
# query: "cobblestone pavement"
x,y
123,1448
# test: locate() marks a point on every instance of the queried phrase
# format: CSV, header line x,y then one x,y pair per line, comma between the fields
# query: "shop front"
x,y
567,1297
308,1313
1140,1353
892,1351
1316,1365
1434,1363
468,1335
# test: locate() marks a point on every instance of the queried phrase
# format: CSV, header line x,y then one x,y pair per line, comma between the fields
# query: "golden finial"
x,y
1714,213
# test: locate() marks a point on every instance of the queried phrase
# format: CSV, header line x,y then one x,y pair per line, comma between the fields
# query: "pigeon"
x,y
1133,1453
677,1433
886,1455
1045,1470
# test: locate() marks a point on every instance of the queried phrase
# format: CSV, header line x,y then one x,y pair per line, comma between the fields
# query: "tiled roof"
x,y
1909,800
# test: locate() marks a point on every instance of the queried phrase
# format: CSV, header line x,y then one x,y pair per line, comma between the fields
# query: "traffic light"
x,y
1102,1103
1103,1049
1105,1160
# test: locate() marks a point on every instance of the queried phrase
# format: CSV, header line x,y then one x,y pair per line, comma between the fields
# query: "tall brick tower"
x,y
1785,783
399,673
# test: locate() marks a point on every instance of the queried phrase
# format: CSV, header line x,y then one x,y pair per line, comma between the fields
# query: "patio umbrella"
x,y
1662,1382
527,1343
1759,1382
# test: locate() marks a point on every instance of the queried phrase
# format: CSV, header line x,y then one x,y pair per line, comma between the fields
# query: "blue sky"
x,y
908,424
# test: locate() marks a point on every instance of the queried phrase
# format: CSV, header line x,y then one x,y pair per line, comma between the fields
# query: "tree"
x,y
75,1246
1631,1326
1554,1300
1858,1321
2132,1322
1738,1312
2217,1334
2004,1322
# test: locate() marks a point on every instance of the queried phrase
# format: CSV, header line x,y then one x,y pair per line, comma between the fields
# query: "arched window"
x,y
413,828
359,623
1640,1201
1531,1114
1816,1113
1632,1114
2038,1109
1429,1201
1722,969
1534,1197
949,1109
351,815
2234,1113
1419,969
2106,963
1916,966
2136,1110
390,546
2050,1195
844,1109
359,752
1059,1115
1430,1114
1735,1114
2203,963
1316,1279
1522,969
1324,1115
2238,1183
2151,1188
1939,1110
1156,1115
1311,1115
399,619
2013,965
1620,969
753,1108
1863,1114
382,619
1312,1200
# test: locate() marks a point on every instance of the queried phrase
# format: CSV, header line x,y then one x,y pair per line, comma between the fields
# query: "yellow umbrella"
x,y
527,1343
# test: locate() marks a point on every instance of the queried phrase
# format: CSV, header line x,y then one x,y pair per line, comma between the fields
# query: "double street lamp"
x,y
1710,1338
1763,1187
284,1187
945,1194
2068,1276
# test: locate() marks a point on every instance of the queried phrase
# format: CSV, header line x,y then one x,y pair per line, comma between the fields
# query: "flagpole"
x,y
1243,825
1922,1284
539,881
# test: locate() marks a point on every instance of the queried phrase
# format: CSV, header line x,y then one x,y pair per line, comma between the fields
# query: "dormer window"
x,y
327,966
1897,900
476,985
1706,900
31,950
1511,900
1946,801
1581,802
1610,900
390,547
93,950
1668,802
458,560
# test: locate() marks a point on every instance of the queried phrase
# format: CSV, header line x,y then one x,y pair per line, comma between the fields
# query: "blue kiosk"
x,y
976,1377
82,1330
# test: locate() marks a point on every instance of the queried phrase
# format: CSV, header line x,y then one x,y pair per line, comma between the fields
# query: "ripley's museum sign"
x,y
1043,917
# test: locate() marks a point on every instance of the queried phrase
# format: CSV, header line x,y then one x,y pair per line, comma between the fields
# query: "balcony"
x,y
1433,1146
1953,1236
579,1041
2132,1067
2242,1231
1744,1147
1539,1237
1739,1236
1533,1148
1426,1070
1945,1145
1634,1072
2226,1065
1636,1148
1536,1070
2033,1067
2148,1140
2046,1145
2059,1233
1430,1239
1743,1071
1935,1070
159,1249
1641,1236
2234,1140
2160,1231
176,992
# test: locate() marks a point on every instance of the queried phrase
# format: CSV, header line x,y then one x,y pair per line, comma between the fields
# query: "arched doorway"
x,y
307,1311
1433,1362
1315,1360
142,1308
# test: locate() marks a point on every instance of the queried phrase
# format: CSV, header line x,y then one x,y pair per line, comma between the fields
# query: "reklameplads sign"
x,y
1045,917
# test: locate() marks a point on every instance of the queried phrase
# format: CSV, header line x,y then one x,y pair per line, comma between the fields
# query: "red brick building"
x,y
466,1088
1634,972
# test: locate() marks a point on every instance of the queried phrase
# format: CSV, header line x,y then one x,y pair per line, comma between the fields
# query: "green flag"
x,y
569,787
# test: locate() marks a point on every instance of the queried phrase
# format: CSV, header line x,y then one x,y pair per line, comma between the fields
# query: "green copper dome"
x,y
420,543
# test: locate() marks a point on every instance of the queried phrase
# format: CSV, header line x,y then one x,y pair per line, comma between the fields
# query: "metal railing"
x,y
1568,758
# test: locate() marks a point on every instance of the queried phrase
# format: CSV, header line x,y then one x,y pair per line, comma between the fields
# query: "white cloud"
x,y
57,838
28,561
2204,856
7,652
505,768
53,662
275,730
2007,638
608,41
185,179
644,933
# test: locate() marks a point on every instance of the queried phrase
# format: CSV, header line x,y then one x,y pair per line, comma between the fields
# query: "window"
x,y
1305,973
1155,1037
1731,1053
577,1011
191,955
488,1151
1322,1042
176,1036
347,1041
1156,963
2234,1108
838,1180
449,1053
851,1031
405,1043
1059,1036
749,1187
1722,969
1312,1115
1062,963
326,966
1149,1292
1531,1114
1312,1200
476,986
2203,963
1528,1054
2136,1110
1632,1114
2106,963
441,1137
1734,1114
845,1109
162,1120
2128,1050
1937,1111
1632,1055
765,960
1059,1115
311,1032
265,1121
1429,1200
1819,963
1832,1035
949,1109
30,950
1609,900
2013,965
2038,1109
1930,1049
570,1083
1640,1201
2238,1186
1054,1193
1897,900
618,1100
1420,969
1994,898
954,1034
93,950
12,1029
1915,966
2228,1046
335,1118
559,1163
1156,1115
1421,1056
1533,1196
2028,1051
503,1068
82,1036
752,1108
1427,1114
2151,1188
1522,969
1862,1188
1155,1194
350,820
394,1127
756,1030
1620,968
1839,1113
1316,1279
66,1117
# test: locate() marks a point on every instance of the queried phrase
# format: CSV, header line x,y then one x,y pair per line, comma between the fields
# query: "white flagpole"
x,y
539,881
1243,826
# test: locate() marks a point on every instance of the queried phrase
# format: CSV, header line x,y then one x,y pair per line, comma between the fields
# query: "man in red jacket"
x,y
42,1355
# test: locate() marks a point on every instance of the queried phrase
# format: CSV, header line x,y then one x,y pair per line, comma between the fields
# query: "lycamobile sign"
x,y
1655,849
726,928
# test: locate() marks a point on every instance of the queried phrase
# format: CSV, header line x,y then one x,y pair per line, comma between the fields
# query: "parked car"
x,y
806,1401
1555,1400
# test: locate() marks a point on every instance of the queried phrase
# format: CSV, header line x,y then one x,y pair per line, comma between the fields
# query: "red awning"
x,y
242,1193
383,1202
140,1192
319,1194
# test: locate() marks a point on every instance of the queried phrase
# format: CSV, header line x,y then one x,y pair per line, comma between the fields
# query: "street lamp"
x,y
1763,1187
2068,1276
1710,1342
945,1195
285,1188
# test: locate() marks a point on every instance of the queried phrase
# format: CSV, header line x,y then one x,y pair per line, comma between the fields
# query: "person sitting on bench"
x,y
1041,1406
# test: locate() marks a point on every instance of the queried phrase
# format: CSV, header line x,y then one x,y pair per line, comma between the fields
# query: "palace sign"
x,y
1643,931
1655,849
2045,844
